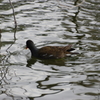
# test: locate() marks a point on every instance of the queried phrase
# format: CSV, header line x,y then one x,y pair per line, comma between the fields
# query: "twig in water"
x,y
14,19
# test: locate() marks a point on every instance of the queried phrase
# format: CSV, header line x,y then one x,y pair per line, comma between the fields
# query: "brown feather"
x,y
54,51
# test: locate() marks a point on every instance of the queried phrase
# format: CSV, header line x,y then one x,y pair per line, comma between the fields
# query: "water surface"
x,y
49,22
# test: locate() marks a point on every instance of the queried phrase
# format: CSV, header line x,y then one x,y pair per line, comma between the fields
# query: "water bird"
x,y
48,52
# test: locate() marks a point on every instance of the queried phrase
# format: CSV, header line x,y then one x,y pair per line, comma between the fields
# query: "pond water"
x,y
50,22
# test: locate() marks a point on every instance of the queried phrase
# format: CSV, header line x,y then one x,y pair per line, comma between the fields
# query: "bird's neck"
x,y
34,51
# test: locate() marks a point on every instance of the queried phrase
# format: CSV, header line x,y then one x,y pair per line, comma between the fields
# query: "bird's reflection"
x,y
31,62
59,62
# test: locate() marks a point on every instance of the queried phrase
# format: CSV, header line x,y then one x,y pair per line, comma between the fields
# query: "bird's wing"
x,y
51,52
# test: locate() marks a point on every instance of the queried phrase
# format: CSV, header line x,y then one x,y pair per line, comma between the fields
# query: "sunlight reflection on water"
x,y
47,22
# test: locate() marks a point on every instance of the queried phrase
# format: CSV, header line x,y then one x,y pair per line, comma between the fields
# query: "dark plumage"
x,y
49,51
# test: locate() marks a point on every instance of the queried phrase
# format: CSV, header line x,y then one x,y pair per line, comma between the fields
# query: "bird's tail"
x,y
71,51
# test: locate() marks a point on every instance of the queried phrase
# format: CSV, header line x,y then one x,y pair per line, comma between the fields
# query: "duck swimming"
x,y
48,52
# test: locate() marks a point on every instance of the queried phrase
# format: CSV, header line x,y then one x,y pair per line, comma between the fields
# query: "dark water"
x,y
50,22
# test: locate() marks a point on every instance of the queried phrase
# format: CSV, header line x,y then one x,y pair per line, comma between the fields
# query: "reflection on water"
x,y
49,22
58,62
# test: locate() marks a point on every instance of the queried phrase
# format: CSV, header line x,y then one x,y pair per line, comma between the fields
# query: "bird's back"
x,y
55,51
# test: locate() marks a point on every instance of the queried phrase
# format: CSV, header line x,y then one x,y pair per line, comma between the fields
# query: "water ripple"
x,y
49,22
